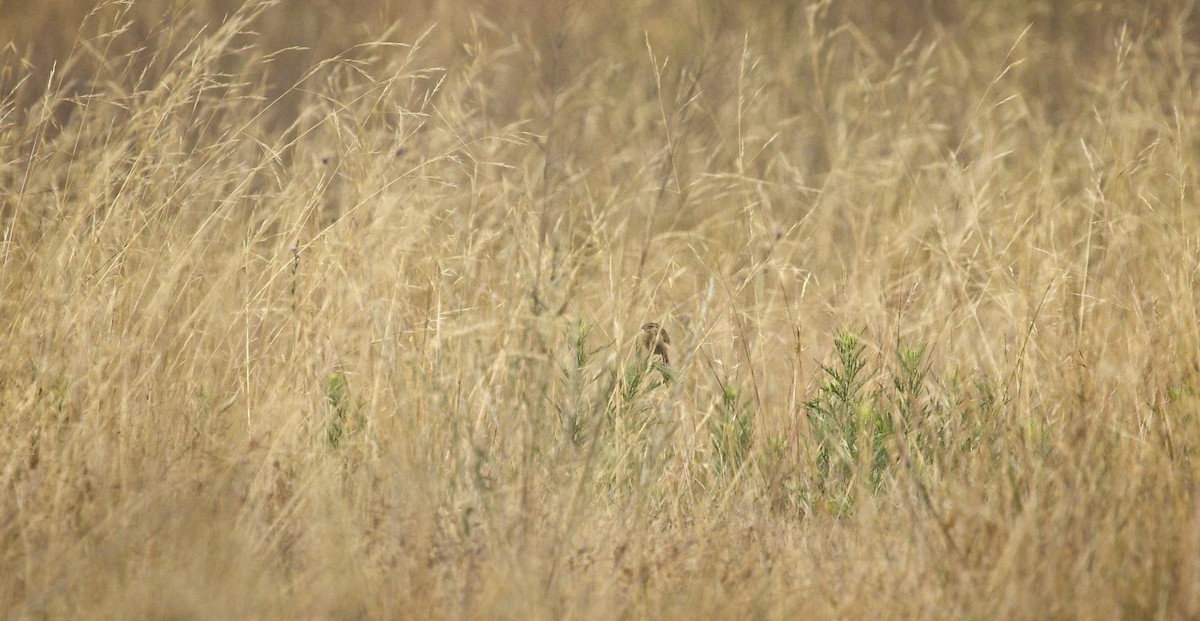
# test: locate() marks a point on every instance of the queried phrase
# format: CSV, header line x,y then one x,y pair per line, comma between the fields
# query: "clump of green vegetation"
x,y
344,409
578,410
731,429
871,432
850,434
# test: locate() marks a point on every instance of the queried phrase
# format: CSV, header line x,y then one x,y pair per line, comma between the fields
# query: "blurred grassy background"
x,y
1069,39
329,309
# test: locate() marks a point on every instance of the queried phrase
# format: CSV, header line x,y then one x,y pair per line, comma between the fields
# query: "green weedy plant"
x,y
960,421
631,430
633,384
965,413
1181,402
844,421
341,405
970,413
572,411
731,430
637,382
925,436
780,481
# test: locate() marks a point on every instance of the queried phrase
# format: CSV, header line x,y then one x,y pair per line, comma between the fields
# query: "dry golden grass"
x,y
350,331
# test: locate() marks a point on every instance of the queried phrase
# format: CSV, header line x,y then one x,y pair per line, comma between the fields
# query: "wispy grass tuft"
x,y
312,314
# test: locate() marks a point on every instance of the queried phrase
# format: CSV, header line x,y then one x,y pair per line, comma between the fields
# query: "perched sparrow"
x,y
655,340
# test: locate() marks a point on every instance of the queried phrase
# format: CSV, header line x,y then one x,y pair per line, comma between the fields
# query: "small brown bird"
x,y
655,340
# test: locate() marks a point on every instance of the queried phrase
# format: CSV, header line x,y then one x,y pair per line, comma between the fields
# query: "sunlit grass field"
x,y
317,310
